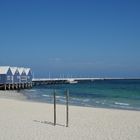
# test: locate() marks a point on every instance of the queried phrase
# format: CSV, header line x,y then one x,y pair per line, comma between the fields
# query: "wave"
x,y
33,90
46,95
76,99
62,100
97,102
122,104
30,90
86,100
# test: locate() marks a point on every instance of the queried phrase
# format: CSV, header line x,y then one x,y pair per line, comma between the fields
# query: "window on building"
x,y
8,78
18,77
24,78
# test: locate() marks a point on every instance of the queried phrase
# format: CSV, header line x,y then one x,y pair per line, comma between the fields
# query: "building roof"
x,y
21,70
27,70
4,69
13,69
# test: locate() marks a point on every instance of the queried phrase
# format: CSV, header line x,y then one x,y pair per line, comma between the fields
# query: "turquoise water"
x,y
122,94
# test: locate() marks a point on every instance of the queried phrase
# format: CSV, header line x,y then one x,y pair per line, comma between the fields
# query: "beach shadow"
x,y
47,122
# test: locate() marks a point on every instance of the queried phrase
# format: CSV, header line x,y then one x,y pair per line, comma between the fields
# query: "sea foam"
x,y
123,104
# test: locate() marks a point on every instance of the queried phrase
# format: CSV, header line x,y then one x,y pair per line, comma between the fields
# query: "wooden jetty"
x,y
47,81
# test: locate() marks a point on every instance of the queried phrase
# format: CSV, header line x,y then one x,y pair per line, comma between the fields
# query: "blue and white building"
x,y
28,75
6,76
15,77
23,78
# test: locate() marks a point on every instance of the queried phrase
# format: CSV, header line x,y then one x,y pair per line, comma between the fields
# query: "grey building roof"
x,y
21,70
27,70
13,69
4,69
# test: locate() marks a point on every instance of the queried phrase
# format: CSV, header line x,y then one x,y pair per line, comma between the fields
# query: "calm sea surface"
x,y
122,94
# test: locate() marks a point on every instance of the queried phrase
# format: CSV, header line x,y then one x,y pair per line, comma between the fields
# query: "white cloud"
x,y
54,60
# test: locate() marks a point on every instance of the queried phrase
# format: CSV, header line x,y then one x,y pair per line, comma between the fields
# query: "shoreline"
x,y
25,120
19,96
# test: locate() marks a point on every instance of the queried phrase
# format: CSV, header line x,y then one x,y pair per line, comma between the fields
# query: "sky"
x,y
82,38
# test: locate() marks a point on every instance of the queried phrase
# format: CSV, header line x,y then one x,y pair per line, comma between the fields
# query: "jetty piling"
x,y
67,108
54,107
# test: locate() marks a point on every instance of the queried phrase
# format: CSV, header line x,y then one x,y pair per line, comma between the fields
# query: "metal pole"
x,y
4,86
67,108
54,107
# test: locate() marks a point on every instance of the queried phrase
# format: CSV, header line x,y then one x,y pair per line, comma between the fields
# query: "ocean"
x,y
119,94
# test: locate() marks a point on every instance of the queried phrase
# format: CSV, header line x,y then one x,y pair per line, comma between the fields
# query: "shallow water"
x,y
122,94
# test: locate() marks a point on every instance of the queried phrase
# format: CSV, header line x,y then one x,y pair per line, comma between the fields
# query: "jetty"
x,y
47,81
42,81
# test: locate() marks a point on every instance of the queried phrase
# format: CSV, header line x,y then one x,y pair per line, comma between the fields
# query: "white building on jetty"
x,y
29,75
15,77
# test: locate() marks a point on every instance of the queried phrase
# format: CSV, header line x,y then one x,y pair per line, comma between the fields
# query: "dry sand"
x,y
22,120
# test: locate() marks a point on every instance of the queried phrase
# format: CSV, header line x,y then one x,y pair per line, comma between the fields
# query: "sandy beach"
x,y
23,120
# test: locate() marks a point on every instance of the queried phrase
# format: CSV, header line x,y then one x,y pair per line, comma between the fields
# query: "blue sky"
x,y
99,38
